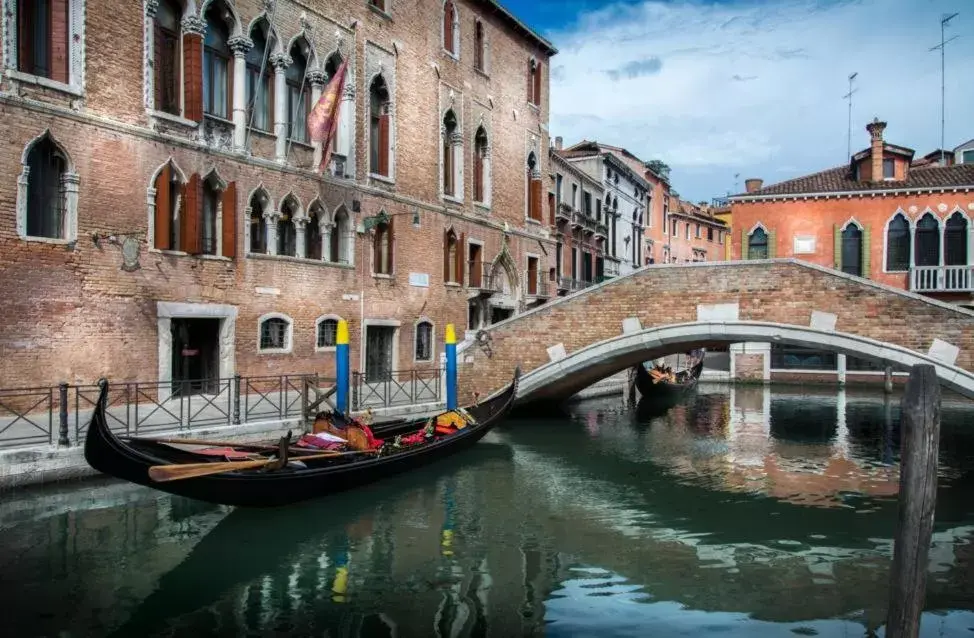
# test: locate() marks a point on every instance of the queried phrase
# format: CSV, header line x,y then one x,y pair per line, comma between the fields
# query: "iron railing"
x,y
480,277
405,387
34,416
563,212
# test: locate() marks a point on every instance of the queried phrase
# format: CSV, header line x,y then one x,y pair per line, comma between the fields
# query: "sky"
x,y
725,90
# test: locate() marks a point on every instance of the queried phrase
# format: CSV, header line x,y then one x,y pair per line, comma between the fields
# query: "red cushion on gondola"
x,y
227,452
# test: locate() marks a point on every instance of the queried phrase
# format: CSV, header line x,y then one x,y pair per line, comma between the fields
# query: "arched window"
x,y
339,237
534,188
480,166
260,79
46,196
327,333
312,234
852,250
451,258
479,46
451,28
449,154
379,127
286,235
258,227
275,333
927,241
898,244
208,228
168,201
298,97
166,56
382,245
216,63
757,245
956,240
424,341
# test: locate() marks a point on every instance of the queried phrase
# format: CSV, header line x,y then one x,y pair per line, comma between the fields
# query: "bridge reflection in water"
x,y
746,511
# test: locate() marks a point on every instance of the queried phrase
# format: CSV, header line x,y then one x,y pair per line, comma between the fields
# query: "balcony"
x,y
578,219
601,230
942,279
481,279
537,285
336,165
563,212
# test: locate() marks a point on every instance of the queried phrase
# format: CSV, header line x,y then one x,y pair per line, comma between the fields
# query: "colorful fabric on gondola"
x,y
318,442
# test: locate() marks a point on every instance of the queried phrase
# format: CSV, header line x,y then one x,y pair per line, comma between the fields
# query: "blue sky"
x,y
753,88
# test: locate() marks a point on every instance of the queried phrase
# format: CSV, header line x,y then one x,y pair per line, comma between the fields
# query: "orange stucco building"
x,y
886,216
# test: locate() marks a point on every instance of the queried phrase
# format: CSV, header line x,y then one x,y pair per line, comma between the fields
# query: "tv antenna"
x,y
848,96
943,104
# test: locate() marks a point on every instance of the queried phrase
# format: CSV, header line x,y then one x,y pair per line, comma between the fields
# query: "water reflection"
x,y
745,511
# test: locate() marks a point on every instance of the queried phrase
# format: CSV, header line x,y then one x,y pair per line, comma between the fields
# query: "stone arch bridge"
x,y
565,346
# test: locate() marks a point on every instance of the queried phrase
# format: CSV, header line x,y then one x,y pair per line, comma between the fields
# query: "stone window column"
x,y
70,183
281,62
270,230
240,45
299,228
317,81
148,39
325,229
346,120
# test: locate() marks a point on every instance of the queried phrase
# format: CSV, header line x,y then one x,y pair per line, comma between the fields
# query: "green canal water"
x,y
738,512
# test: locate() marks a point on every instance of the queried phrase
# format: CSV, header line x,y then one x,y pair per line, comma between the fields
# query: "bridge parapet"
x,y
786,293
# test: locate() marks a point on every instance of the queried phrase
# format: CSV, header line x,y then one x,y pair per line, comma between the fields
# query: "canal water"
x,y
741,511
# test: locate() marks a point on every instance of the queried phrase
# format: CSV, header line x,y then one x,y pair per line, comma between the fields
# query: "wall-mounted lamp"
x,y
416,217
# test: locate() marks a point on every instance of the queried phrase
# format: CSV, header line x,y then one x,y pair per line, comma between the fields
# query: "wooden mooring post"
x,y
920,436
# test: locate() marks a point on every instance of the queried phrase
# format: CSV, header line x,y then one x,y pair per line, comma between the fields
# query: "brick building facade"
x,y
160,218
885,216
694,233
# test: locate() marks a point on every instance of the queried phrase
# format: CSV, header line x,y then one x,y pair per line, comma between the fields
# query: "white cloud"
x,y
756,88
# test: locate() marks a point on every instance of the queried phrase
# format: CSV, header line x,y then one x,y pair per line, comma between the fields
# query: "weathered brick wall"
x,y
72,314
749,367
781,292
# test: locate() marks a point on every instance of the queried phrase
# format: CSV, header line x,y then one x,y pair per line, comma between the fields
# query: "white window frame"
x,y
432,325
318,323
71,182
288,336
910,225
456,30
77,9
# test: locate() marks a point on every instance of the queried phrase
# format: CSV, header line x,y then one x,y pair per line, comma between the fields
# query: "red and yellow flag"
x,y
323,119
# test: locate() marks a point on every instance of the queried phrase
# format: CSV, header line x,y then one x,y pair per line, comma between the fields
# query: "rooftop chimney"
x,y
753,184
558,142
876,129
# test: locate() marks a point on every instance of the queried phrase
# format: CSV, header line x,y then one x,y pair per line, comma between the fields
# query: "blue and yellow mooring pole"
x,y
451,368
341,366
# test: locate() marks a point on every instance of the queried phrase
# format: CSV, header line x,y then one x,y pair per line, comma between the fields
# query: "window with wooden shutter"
x,y
163,206
43,39
189,226
458,257
193,82
449,248
530,91
229,229
59,40
166,62
534,209
448,41
537,85
384,144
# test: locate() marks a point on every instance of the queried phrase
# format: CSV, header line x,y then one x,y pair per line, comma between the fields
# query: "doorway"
x,y
195,356
379,348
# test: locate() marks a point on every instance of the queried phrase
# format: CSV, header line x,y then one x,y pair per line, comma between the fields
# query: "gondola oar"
x,y
164,473
242,446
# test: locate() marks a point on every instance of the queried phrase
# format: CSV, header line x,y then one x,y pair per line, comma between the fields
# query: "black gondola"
x,y
685,380
131,460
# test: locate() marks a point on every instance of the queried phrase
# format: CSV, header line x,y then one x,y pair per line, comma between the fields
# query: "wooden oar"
x,y
243,446
164,473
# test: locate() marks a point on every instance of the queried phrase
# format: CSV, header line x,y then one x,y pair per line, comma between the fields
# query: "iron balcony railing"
x,y
45,415
571,284
480,277
537,284
404,387
942,279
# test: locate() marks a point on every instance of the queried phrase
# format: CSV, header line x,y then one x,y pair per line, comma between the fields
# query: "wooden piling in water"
x,y
920,437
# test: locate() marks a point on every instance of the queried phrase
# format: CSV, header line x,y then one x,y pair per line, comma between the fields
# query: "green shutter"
x,y
744,247
836,247
866,252
772,245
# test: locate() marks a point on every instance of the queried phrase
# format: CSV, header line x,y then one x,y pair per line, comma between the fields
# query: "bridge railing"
x,y
942,279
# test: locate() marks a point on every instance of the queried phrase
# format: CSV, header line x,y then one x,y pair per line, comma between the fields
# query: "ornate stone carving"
x,y
217,135
349,92
151,7
268,5
281,61
456,139
194,25
304,22
240,44
317,78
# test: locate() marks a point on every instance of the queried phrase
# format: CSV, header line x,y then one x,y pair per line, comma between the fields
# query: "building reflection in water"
x,y
750,510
